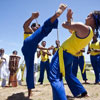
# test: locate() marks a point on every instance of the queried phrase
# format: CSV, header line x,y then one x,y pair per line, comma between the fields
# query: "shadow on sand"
x,y
18,96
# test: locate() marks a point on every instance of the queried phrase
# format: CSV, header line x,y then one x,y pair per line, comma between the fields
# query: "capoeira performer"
x,y
44,63
61,64
31,43
94,51
57,42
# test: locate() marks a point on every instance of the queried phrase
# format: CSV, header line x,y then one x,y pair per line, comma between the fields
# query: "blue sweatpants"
x,y
55,78
43,66
29,48
78,61
95,61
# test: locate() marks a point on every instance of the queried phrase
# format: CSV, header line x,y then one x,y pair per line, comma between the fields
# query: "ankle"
x,y
84,94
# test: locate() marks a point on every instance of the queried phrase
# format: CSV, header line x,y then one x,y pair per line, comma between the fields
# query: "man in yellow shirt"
x,y
57,46
44,64
94,51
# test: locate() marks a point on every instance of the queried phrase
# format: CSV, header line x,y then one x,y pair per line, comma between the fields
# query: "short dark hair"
x,y
14,52
34,25
43,41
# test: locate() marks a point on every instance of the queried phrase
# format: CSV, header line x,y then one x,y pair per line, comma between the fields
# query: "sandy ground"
x,y
44,92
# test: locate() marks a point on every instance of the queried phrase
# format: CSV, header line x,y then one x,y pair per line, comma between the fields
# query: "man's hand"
x,y
69,15
78,53
50,48
35,15
96,50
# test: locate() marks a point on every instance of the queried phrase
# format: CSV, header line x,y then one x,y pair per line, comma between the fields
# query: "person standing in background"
x,y
44,64
57,42
4,69
94,51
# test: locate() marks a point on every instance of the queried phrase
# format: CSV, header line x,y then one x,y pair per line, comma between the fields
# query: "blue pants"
x,y
78,61
43,66
95,61
29,48
55,78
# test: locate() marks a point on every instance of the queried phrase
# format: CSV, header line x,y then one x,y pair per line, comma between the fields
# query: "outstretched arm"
x,y
48,53
27,23
83,50
81,29
96,50
42,48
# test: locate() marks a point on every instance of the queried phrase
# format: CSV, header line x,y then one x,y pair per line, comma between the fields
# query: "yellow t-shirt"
x,y
73,45
56,48
44,57
27,34
95,46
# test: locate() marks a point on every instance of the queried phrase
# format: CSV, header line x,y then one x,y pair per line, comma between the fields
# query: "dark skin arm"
x,y
26,25
81,30
53,51
96,50
43,48
48,53
43,53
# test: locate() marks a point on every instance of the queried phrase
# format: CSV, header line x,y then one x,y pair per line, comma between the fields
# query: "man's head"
x,y
43,43
1,51
14,52
35,26
57,42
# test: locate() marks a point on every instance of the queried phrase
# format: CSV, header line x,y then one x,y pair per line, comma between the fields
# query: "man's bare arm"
x,y
26,25
81,29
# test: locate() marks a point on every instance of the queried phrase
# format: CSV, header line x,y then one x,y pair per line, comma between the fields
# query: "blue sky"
x,y
13,14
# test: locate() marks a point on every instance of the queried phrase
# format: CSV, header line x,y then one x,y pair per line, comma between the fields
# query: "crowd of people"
x,y
66,57
9,69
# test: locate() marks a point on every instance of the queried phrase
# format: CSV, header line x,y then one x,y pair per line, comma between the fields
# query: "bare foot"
x,y
29,93
83,95
61,9
86,82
